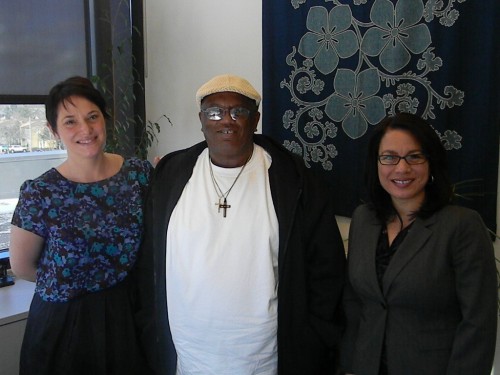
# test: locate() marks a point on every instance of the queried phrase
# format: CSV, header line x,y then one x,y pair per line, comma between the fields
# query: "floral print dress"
x,y
81,317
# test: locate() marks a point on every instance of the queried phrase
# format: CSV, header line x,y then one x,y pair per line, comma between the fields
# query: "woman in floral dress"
x,y
76,232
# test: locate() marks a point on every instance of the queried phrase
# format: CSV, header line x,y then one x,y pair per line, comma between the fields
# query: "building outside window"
x,y
28,149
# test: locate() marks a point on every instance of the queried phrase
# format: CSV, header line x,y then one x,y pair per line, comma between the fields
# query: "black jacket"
x,y
311,262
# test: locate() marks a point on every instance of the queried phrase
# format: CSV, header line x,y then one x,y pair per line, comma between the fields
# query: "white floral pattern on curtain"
x,y
333,69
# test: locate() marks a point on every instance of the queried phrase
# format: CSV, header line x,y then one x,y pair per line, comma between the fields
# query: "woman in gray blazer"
x,y
421,296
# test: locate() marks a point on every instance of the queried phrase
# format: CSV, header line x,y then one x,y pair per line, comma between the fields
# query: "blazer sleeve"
x,y
474,265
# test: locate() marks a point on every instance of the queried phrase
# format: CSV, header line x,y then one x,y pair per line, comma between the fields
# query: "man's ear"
x,y
257,118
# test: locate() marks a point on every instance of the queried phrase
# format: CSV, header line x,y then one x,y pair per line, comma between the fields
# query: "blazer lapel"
x,y
415,239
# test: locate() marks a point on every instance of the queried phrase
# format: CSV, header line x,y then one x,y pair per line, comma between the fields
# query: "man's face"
x,y
230,141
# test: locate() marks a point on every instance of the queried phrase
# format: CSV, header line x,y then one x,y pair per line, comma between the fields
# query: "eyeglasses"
x,y
217,113
411,159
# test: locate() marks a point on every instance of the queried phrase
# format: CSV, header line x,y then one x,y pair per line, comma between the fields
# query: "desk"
x,y
14,305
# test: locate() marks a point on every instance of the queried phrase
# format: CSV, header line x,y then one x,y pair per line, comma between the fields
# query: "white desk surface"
x,y
15,301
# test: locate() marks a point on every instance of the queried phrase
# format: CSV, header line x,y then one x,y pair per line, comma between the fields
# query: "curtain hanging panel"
x,y
334,69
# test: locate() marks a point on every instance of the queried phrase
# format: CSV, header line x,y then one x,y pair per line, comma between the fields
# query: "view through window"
x,y
28,149
23,129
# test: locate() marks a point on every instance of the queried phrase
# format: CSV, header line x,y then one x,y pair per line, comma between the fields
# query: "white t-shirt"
x,y
222,272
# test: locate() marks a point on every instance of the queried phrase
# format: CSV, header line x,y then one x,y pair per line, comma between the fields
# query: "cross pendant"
x,y
224,206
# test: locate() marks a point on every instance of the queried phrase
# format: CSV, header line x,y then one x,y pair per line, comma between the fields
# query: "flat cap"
x,y
227,82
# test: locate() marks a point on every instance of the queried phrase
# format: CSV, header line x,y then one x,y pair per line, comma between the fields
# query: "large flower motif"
x,y
354,102
328,38
396,33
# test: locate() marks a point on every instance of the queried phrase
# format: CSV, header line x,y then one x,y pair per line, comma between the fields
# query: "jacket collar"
x,y
415,240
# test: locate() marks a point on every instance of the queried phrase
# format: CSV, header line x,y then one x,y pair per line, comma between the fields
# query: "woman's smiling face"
x,y
405,183
81,127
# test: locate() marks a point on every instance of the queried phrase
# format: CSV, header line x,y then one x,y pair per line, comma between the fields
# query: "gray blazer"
x,y
438,305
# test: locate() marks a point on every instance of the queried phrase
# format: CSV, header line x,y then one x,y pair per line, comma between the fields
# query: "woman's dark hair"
x,y
438,191
74,86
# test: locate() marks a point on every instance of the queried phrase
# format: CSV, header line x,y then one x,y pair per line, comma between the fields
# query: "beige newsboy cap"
x,y
227,82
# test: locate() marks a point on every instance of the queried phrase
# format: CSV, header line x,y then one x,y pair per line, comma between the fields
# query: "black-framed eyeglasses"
x,y
217,113
412,159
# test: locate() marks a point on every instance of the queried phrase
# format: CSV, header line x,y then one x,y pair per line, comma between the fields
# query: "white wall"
x,y
187,43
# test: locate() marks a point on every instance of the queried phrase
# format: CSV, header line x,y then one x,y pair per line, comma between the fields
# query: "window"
x,y
27,150
23,129
45,42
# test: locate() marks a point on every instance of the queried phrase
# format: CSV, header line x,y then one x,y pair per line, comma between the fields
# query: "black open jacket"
x,y
311,263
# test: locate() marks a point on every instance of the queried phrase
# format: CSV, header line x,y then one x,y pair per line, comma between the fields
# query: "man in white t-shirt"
x,y
242,265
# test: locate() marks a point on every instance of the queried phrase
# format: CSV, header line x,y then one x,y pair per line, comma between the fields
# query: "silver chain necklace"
x,y
222,203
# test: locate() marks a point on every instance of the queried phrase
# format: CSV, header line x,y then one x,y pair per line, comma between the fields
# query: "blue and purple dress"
x,y
81,317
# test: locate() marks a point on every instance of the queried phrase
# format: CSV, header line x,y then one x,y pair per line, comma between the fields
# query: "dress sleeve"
x,y
144,170
28,214
147,168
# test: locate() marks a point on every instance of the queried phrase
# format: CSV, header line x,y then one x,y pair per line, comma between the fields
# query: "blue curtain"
x,y
334,69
